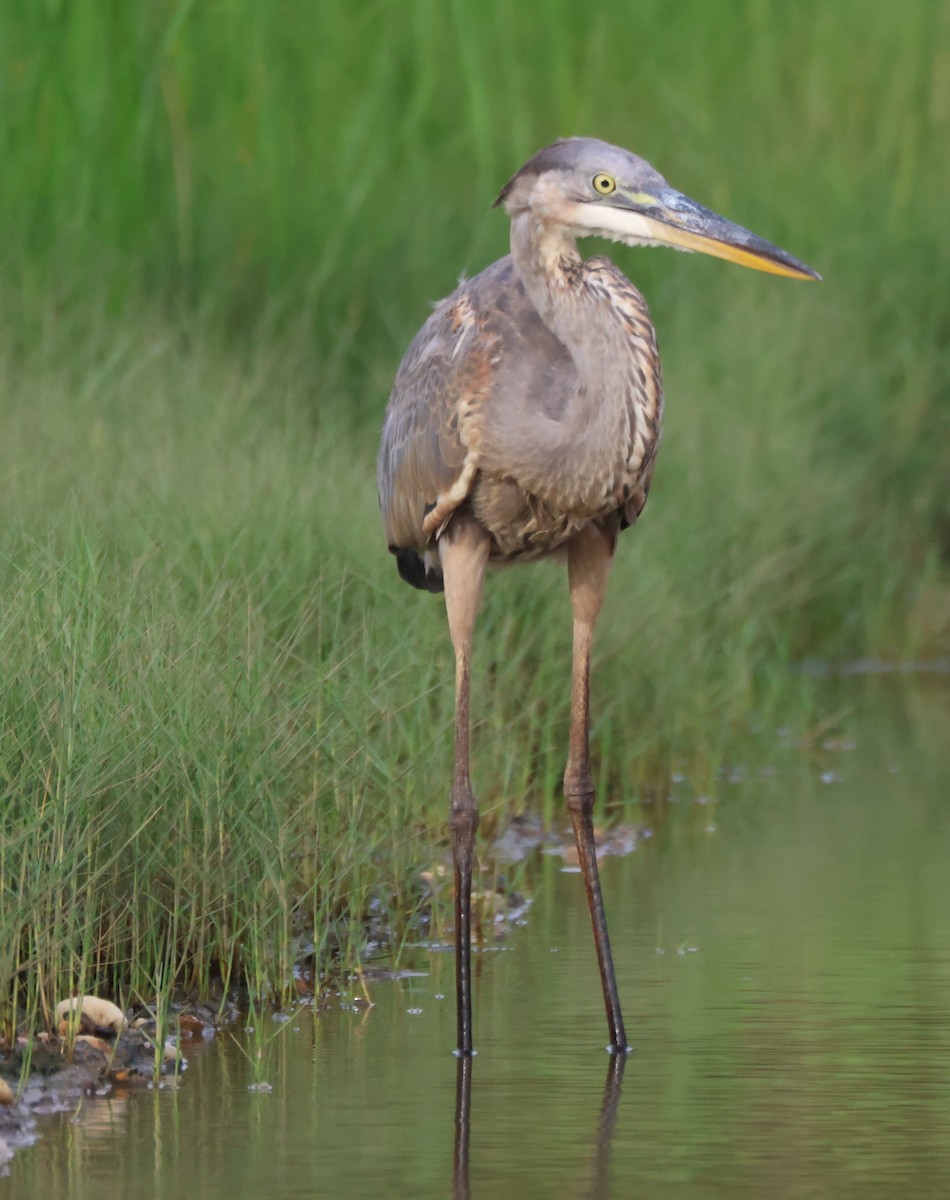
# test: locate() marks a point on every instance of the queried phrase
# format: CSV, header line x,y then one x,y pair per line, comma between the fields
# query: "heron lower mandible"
x,y
524,422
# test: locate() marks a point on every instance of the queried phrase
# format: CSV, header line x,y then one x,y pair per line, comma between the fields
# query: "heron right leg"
x,y
463,549
589,558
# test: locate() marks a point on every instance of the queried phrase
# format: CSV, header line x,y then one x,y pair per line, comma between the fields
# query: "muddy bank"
x,y
46,1075
97,1050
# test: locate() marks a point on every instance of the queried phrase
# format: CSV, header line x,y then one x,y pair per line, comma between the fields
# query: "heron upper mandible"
x,y
523,423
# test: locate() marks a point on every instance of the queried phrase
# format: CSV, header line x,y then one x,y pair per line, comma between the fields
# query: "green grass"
x,y
224,722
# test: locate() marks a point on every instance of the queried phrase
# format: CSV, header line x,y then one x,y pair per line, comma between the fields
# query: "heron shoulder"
x,y
428,433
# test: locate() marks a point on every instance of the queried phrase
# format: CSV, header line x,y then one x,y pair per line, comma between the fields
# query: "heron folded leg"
x,y
590,554
463,549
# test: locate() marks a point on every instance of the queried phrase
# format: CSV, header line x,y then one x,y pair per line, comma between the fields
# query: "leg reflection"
x,y
463,1108
600,1184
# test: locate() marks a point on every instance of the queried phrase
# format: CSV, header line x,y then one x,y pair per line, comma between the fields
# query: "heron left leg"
x,y
463,549
590,554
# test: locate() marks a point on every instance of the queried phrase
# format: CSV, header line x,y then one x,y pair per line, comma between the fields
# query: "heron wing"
x,y
485,338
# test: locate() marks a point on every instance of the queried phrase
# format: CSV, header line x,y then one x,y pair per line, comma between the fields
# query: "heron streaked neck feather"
x,y
611,424
592,308
589,317
543,255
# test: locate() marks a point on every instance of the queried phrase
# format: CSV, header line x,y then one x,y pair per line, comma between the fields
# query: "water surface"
x,y
784,959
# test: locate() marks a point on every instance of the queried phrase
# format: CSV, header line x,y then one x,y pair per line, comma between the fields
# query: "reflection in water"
x,y
463,1122
600,1190
605,1126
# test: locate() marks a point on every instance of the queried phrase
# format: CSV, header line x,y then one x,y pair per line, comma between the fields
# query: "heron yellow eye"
x,y
604,183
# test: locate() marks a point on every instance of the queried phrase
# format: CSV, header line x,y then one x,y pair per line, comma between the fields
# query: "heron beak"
x,y
672,219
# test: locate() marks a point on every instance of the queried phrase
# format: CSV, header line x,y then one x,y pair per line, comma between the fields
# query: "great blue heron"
x,y
524,422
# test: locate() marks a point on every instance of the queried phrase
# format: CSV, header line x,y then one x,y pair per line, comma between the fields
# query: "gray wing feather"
x,y
420,453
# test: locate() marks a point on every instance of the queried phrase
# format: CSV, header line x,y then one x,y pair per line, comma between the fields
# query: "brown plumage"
x,y
524,421
494,369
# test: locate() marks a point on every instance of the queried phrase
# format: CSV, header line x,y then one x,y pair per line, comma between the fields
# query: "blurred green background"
x,y
225,723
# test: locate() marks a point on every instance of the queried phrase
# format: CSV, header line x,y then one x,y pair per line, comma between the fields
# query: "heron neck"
x,y
573,307
545,257
610,425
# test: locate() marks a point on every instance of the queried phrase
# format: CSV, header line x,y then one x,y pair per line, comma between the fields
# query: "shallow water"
x,y
784,960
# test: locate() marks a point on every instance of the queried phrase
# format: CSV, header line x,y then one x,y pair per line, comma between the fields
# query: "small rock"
x,y
6,1093
95,1015
192,1027
97,1043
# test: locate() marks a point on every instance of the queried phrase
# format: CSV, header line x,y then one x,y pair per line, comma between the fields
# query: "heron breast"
x,y
524,526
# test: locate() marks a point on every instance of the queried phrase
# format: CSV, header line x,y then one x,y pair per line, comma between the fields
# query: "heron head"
x,y
592,189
